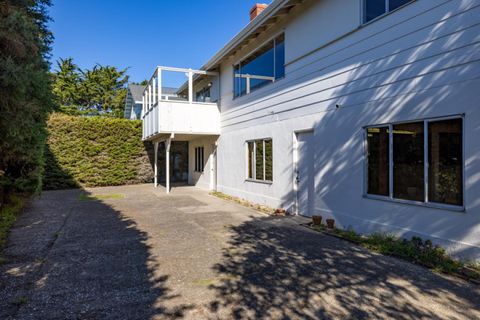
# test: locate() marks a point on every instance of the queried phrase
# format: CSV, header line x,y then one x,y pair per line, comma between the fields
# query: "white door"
x,y
305,174
213,169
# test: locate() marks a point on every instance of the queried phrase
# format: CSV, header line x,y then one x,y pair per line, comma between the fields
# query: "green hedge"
x,y
95,151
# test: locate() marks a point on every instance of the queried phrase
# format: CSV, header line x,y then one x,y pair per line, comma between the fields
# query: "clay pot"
x,y
317,220
330,223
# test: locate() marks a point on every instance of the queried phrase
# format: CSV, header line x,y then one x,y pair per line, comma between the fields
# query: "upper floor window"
x,y
262,67
376,8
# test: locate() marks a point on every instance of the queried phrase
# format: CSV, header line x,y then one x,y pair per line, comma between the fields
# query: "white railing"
x,y
252,76
161,115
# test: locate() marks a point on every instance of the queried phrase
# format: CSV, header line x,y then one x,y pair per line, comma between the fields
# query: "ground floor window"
x,y
260,160
199,159
418,161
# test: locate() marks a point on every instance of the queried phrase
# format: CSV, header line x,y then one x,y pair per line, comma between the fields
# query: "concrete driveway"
x,y
135,253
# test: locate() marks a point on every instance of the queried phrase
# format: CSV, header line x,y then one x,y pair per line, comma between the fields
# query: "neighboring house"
x,y
364,111
133,100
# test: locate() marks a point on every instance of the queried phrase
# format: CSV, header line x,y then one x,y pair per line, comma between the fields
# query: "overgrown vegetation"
x,y
97,91
416,250
95,151
24,104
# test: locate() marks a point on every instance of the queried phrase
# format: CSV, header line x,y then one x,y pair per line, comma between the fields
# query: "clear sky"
x,y
141,34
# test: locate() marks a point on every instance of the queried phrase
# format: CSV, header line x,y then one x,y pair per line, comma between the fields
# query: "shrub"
x,y
95,151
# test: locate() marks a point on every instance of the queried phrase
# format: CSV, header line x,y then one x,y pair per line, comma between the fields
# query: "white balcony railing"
x,y
162,116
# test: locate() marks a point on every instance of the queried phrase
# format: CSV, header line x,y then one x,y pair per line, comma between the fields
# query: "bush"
x,y
95,151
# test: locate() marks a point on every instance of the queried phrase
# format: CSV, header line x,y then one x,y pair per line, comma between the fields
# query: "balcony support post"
x,y
190,86
168,143
155,148
159,83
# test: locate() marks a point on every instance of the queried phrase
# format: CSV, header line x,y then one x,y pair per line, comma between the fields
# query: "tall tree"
x,y
66,82
25,93
97,91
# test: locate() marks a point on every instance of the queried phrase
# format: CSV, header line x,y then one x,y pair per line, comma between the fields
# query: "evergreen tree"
x,y
25,93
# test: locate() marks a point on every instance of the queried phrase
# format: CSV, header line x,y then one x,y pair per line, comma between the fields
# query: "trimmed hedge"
x,y
95,151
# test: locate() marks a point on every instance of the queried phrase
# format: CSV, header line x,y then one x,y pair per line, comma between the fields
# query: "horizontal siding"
x,y
394,61
419,62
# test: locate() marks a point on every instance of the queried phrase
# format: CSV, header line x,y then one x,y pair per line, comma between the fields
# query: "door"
x,y
305,175
213,169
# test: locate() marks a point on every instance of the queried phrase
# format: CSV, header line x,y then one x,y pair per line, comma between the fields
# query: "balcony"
x,y
184,114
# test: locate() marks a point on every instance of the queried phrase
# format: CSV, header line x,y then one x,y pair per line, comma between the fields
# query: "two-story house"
x,y
361,110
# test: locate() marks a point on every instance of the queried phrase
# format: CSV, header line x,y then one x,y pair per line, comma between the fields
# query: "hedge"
x,y
95,151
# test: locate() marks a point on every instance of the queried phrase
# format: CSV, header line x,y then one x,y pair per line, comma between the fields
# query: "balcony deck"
x,y
181,117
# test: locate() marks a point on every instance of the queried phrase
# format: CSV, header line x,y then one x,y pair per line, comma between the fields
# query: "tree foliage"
x,y
100,90
25,93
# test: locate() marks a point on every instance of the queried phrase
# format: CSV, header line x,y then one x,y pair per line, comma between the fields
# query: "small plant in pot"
x,y
317,220
330,223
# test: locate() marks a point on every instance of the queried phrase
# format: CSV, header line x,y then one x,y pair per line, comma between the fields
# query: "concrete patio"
x,y
136,253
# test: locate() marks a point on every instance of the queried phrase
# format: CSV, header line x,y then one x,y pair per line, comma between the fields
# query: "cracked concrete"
x,y
146,255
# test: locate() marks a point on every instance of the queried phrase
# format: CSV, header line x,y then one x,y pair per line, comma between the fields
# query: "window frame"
x,y
425,202
363,5
253,51
254,159
199,159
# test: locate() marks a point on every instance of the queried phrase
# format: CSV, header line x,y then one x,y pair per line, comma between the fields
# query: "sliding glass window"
x,y
416,161
264,66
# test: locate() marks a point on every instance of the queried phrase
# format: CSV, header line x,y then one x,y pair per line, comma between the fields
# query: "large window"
x,y
260,160
416,161
375,8
199,158
264,66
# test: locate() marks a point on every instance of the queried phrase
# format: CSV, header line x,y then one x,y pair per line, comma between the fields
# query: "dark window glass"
x,y
259,159
445,158
408,161
268,61
280,57
378,161
374,8
268,160
251,148
199,159
394,4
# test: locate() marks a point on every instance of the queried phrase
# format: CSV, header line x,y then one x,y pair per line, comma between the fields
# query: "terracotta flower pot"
x,y
317,220
330,223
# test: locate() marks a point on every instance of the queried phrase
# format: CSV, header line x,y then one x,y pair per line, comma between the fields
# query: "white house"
x,y
361,110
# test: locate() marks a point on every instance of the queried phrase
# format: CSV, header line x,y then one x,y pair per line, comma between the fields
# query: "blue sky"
x,y
143,34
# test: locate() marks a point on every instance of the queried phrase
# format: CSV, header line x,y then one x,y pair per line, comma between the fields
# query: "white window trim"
x,y
254,157
363,11
251,52
424,203
199,163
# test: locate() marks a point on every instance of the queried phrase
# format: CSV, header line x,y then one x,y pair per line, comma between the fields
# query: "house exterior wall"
x,y
205,179
422,61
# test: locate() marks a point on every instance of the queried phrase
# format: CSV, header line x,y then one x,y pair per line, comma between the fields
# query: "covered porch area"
x,y
185,159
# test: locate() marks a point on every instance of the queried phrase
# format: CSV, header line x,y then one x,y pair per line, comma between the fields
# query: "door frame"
x,y
295,163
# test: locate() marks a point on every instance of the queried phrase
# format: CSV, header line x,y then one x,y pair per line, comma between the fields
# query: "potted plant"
x,y
330,223
317,220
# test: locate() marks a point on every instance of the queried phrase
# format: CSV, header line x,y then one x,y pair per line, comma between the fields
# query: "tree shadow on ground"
x,y
271,270
72,255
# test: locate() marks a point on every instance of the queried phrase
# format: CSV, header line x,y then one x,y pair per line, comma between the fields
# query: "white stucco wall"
x,y
203,179
419,62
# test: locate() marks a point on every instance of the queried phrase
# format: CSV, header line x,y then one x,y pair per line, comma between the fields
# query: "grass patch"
x,y
243,202
417,250
99,197
8,214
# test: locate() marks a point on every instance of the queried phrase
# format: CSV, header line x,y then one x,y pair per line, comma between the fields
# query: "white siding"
x,y
419,62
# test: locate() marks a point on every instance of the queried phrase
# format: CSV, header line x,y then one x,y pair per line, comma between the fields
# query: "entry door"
x,y
305,174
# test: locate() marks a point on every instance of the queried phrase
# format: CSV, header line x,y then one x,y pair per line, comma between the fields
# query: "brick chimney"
x,y
257,9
